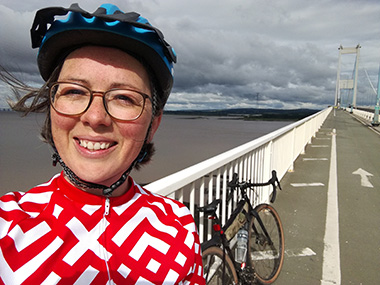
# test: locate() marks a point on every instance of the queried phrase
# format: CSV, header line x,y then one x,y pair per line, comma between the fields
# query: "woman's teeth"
x,y
94,145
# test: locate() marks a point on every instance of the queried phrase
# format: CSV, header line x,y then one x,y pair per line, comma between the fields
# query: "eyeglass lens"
x,y
74,99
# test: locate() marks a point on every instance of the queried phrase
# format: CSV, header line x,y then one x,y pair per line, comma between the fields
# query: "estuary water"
x,y
181,141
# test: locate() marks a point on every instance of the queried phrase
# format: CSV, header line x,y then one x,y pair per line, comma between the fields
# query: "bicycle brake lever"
x,y
274,195
275,178
278,184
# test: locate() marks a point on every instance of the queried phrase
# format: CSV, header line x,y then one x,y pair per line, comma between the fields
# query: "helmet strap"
x,y
107,191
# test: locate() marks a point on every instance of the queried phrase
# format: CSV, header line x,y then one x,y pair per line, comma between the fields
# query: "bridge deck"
x,y
345,176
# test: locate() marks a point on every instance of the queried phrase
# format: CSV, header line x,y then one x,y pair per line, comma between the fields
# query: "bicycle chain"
x,y
247,276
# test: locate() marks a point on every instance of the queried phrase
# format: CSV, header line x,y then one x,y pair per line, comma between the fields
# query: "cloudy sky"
x,y
235,53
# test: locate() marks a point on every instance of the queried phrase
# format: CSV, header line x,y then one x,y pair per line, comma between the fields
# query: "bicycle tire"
x,y
212,259
265,259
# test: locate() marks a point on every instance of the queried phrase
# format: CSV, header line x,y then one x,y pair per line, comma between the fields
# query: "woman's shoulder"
x,y
29,203
177,206
168,207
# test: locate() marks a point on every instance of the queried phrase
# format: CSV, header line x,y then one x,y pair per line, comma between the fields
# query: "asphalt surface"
x,y
339,244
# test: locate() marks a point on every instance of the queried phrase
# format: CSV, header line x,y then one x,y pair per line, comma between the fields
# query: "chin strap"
x,y
107,191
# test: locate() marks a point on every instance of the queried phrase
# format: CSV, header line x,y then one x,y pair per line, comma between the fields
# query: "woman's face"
x,y
101,69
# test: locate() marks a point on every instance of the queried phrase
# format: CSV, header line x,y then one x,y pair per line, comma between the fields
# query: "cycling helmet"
x,y
57,36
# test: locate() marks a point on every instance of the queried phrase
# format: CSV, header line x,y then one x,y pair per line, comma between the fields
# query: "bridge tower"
x,y
350,84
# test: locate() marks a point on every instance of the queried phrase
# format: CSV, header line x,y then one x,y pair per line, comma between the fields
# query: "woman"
x,y
108,76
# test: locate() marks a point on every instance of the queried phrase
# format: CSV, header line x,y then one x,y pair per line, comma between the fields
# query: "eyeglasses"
x,y
74,99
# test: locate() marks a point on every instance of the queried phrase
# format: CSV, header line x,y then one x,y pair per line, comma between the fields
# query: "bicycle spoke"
x,y
215,270
213,265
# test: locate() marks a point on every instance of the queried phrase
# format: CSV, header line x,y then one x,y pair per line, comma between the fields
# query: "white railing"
x,y
364,114
206,181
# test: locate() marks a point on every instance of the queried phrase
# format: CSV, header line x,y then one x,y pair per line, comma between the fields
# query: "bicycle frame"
x,y
223,235
219,238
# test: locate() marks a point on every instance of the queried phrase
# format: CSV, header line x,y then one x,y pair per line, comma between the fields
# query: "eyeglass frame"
x,y
102,93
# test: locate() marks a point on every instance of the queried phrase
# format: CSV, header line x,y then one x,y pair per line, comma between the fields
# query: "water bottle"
x,y
241,248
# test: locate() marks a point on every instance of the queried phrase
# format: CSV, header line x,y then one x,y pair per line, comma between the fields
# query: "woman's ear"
x,y
155,124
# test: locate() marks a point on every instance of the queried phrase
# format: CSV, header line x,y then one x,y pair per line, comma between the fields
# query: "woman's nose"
x,y
96,113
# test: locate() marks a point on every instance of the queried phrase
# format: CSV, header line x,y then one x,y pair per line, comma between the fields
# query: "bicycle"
x,y
259,250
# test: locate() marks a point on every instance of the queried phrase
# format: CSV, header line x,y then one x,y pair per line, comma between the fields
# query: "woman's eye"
x,y
124,99
73,91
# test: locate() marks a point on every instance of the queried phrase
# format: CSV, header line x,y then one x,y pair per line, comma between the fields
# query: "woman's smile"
x,y
95,146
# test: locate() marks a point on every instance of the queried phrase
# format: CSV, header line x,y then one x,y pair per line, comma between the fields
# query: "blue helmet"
x,y
108,26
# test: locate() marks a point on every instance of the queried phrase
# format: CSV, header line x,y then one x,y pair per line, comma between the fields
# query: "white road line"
x,y
319,145
331,254
314,159
268,254
315,184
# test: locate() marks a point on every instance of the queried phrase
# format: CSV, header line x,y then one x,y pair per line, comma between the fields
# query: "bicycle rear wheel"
x,y
214,271
266,258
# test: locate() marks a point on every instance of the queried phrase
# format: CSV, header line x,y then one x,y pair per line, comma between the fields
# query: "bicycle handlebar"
x,y
244,185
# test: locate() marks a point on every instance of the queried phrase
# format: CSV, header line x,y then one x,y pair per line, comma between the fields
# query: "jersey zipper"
x,y
107,207
106,257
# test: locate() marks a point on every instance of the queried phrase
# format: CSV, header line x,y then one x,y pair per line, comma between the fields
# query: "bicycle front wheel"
x,y
266,254
214,270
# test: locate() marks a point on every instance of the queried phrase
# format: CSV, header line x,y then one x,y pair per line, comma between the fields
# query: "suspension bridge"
x,y
346,95
329,169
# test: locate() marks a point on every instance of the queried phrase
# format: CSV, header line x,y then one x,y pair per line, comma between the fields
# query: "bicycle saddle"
x,y
210,208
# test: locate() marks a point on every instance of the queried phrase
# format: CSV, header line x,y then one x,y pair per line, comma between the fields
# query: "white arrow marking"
x,y
364,177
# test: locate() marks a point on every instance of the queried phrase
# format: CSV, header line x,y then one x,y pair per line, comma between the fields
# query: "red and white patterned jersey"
x,y
58,234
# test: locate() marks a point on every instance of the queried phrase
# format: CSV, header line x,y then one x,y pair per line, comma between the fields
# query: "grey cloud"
x,y
228,51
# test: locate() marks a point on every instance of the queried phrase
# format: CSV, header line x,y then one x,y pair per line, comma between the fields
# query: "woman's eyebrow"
x,y
76,80
113,85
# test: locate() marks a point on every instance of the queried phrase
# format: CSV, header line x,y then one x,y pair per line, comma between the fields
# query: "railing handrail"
x,y
206,181
169,184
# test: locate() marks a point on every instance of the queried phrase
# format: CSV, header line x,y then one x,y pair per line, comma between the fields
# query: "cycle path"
x,y
347,250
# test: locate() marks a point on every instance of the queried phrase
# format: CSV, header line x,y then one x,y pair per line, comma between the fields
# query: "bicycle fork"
x,y
258,218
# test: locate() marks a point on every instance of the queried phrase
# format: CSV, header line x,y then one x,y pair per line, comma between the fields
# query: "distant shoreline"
x,y
248,114
239,114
